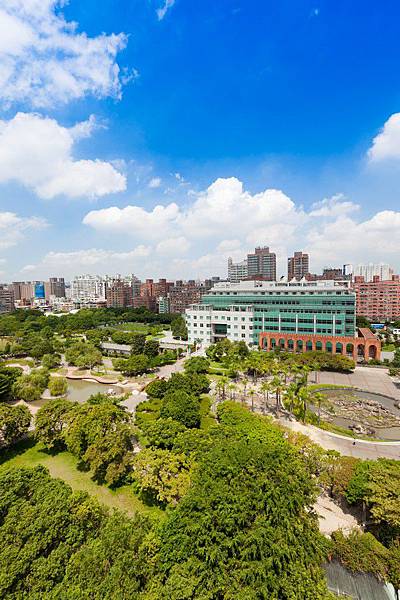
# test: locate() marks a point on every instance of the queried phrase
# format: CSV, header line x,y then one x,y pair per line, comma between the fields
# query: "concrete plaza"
x,y
370,379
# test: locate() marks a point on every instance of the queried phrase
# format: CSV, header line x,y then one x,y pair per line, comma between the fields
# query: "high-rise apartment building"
x,y
382,270
378,300
119,294
183,294
298,266
55,287
88,288
262,264
237,271
7,299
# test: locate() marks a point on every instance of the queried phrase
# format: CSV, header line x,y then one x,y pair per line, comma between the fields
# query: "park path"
x,y
345,445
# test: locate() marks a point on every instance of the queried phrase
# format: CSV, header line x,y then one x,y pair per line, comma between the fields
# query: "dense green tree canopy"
x,y
51,421
235,534
31,387
182,407
178,328
14,423
136,364
8,376
58,386
197,364
83,355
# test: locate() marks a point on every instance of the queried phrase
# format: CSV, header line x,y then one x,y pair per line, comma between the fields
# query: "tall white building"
x,y
88,288
383,270
237,271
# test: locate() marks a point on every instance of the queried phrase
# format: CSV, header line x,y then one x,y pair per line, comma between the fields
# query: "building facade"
x,y
7,299
298,266
378,300
254,311
119,294
88,288
237,271
262,264
54,288
382,270
183,294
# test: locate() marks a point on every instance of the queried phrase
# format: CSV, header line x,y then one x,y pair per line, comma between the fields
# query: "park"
x,y
145,439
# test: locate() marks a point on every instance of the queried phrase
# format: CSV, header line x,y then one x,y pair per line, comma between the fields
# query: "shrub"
x,y
58,386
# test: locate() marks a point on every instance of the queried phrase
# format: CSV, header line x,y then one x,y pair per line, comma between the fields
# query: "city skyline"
x,y
185,135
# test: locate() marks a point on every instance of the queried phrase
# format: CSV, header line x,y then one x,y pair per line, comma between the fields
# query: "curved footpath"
x,y
345,445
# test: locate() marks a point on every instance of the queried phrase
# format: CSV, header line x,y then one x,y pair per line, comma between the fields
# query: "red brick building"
x,y
119,294
150,291
378,300
363,347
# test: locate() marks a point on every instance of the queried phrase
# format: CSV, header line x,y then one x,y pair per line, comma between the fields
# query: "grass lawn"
x,y
135,327
19,361
64,466
388,347
313,387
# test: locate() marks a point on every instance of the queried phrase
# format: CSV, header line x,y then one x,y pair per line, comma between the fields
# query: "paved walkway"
x,y
370,379
345,445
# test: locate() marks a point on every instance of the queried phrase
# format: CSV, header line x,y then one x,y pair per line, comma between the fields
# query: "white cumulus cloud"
x,y
92,260
13,228
226,211
335,206
386,145
45,61
37,152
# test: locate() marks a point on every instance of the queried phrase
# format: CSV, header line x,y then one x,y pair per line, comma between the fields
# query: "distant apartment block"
x,y
378,300
261,264
7,299
88,288
93,288
55,287
237,271
183,294
298,266
382,270
119,294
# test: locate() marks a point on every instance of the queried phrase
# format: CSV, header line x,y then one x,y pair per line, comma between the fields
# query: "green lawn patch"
x,y
64,466
27,362
314,387
388,347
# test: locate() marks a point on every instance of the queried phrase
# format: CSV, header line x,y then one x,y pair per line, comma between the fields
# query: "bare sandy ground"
x,y
331,517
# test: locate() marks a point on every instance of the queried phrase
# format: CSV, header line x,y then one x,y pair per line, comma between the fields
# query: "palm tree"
x,y
291,397
252,393
266,387
303,396
245,382
277,386
232,389
317,398
221,386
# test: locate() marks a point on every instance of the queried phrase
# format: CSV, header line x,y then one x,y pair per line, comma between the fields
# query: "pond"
x,y
79,390
349,408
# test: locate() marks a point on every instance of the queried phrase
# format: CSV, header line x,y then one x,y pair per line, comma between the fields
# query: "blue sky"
x,y
162,137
